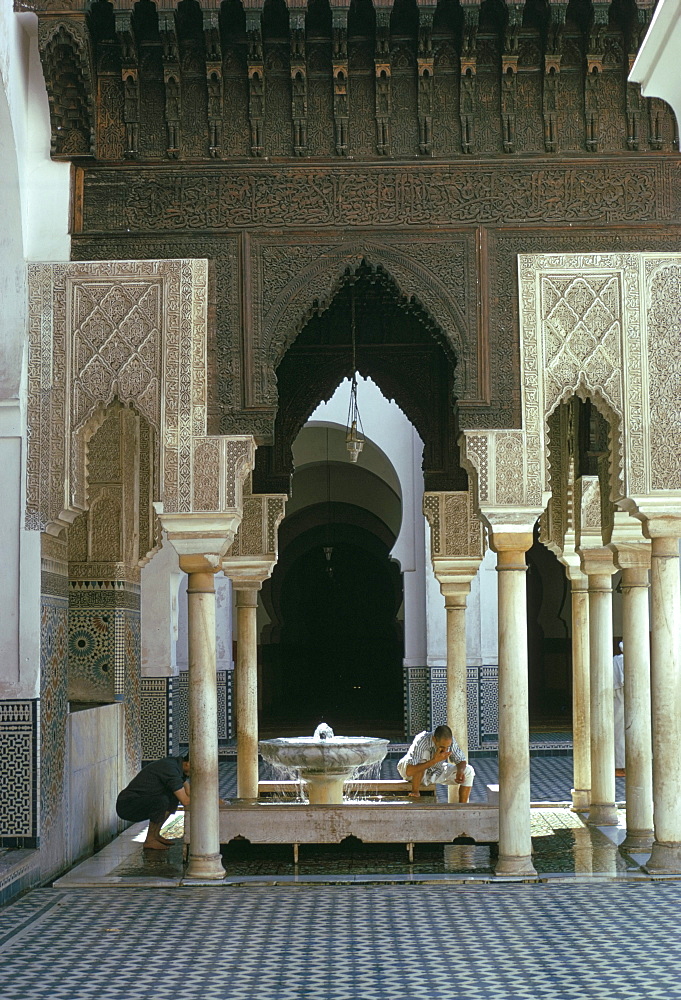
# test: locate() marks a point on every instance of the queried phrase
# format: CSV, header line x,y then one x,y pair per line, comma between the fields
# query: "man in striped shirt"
x,y
436,759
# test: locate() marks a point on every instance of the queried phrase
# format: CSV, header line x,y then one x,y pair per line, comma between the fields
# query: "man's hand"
x,y
441,754
460,772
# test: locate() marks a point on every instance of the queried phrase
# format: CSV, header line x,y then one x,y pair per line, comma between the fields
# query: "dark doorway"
x,y
336,651
548,640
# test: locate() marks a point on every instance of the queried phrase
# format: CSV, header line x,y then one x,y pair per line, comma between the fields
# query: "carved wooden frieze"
x,y
204,199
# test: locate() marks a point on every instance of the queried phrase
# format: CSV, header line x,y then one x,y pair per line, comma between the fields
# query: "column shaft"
x,y
204,855
602,810
457,684
666,699
515,842
247,694
637,712
581,708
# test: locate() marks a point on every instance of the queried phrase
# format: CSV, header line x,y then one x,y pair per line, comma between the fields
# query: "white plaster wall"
x,y
160,582
34,202
224,620
94,738
390,430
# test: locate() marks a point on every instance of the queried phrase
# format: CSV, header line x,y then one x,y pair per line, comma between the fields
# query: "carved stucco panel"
x,y
455,529
506,474
664,372
133,331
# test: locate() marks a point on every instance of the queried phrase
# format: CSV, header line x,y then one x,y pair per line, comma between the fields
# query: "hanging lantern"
x,y
354,431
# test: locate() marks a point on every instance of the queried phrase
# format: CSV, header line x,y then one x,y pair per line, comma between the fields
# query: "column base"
x,y
602,814
581,798
665,859
205,866
510,864
638,840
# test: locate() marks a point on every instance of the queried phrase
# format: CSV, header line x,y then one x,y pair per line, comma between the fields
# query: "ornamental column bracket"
x,y
254,552
456,539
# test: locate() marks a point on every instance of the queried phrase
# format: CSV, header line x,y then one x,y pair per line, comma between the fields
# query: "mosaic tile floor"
x,y
603,941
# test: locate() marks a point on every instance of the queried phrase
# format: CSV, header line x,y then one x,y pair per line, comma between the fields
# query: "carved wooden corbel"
x,y
467,94
67,63
426,71
509,79
340,78
298,82
214,82
383,72
131,88
551,79
256,82
172,80
594,69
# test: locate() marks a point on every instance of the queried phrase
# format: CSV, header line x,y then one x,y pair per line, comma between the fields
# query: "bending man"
x,y
436,759
155,794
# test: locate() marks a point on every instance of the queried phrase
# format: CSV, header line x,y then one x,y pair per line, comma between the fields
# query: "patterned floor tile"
x,y
357,942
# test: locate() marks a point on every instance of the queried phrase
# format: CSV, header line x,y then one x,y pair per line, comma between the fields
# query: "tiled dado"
x,y
19,750
158,716
102,615
226,728
425,702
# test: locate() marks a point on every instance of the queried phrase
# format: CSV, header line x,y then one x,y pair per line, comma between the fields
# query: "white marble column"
x,y
204,854
247,692
515,842
457,685
634,562
581,695
599,566
666,698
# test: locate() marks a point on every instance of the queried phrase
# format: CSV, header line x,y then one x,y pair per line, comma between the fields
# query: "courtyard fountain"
x,y
324,761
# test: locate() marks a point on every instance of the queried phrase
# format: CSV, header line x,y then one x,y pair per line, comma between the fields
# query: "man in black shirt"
x,y
154,794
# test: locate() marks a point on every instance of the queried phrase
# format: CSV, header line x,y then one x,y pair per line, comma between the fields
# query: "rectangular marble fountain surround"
x,y
417,822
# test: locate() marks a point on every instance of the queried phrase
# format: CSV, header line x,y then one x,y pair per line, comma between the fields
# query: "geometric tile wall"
x,y
226,729
19,750
425,697
159,729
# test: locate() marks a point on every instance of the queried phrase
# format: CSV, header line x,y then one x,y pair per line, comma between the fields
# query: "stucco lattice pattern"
x,y
582,326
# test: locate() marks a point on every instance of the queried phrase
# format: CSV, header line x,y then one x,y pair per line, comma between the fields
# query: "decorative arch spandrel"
x,y
309,276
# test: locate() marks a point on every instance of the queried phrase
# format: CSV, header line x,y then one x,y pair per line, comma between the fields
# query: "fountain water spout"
x,y
323,732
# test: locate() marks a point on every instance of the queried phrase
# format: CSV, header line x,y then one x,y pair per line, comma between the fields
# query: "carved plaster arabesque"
x,y
80,361
455,529
621,375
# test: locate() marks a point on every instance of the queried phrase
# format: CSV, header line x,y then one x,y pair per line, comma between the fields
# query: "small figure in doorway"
x,y
436,759
618,706
155,794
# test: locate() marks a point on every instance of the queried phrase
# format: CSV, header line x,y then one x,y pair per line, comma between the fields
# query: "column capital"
x,y
598,561
248,572
455,576
630,548
509,536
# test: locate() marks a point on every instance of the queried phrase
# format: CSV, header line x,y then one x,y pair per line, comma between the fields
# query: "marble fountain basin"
x,y
324,763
